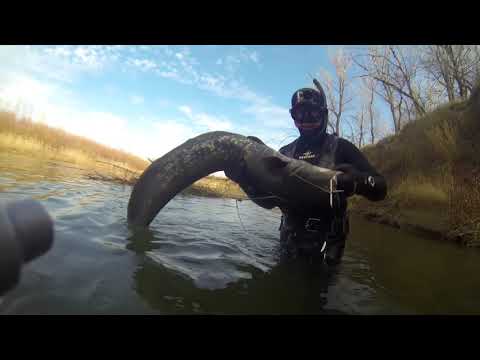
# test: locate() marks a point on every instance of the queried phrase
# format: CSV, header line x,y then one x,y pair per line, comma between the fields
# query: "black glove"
x,y
350,179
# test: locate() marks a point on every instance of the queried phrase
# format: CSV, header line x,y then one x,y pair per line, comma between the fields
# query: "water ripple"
x,y
203,255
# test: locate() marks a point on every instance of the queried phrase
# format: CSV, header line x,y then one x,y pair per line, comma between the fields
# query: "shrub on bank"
x,y
433,164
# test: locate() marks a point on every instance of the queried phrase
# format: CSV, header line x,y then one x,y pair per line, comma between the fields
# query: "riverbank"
x,y
37,140
432,169
417,220
433,173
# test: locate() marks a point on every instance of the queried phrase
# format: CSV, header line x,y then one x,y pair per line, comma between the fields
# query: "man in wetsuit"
x,y
305,232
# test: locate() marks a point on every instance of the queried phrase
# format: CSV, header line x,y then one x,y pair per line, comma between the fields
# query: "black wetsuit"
x,y
304,231
327,151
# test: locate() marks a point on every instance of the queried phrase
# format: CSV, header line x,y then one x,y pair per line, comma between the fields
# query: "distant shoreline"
x,y
441,201
100,162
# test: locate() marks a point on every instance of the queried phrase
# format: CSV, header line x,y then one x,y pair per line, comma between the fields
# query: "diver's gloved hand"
x,y
350,180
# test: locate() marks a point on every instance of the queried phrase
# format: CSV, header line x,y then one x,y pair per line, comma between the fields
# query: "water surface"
x,y
216,256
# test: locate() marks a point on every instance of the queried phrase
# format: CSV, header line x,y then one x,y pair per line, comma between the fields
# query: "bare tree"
x,y
396,68
366,118
436,65
353,132
476,55
360,125
400,79
454,67
374,65
413,80
395,103
337,88
370,86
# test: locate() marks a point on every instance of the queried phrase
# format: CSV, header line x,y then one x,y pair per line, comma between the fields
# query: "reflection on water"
x,y
197,258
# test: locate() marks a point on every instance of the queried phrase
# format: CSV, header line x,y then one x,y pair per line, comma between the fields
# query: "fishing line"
x,y
239,218
317,186
330,191
251,199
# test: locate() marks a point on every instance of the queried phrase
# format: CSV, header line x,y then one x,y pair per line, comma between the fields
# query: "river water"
x,y
216,256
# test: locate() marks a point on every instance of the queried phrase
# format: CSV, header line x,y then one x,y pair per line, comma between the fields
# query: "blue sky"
x,y
148,99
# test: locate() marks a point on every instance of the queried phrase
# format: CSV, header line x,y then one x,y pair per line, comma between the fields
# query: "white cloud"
x,y
49,105
272,137
182,67
50,99
56,107
267,114
171,75
92,57
261,109
103,127
232,63
58,63
87,56
142,64
137,100
52,105
20,59
65,62
61,51
173,131
213,123
254,57
166,135
15,86
239,56
209,122
186,110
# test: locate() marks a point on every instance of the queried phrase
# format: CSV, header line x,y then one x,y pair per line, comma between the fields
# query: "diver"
x,y
304,232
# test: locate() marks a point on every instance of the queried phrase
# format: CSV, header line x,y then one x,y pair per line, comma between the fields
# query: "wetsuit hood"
x,y
309,111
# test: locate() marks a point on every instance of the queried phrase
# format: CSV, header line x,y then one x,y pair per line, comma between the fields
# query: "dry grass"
x,y
464,206
434,164
39,139
419,191
101,162
215,186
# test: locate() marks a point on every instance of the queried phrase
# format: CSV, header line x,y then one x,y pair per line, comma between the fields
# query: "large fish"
x,y
296,182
